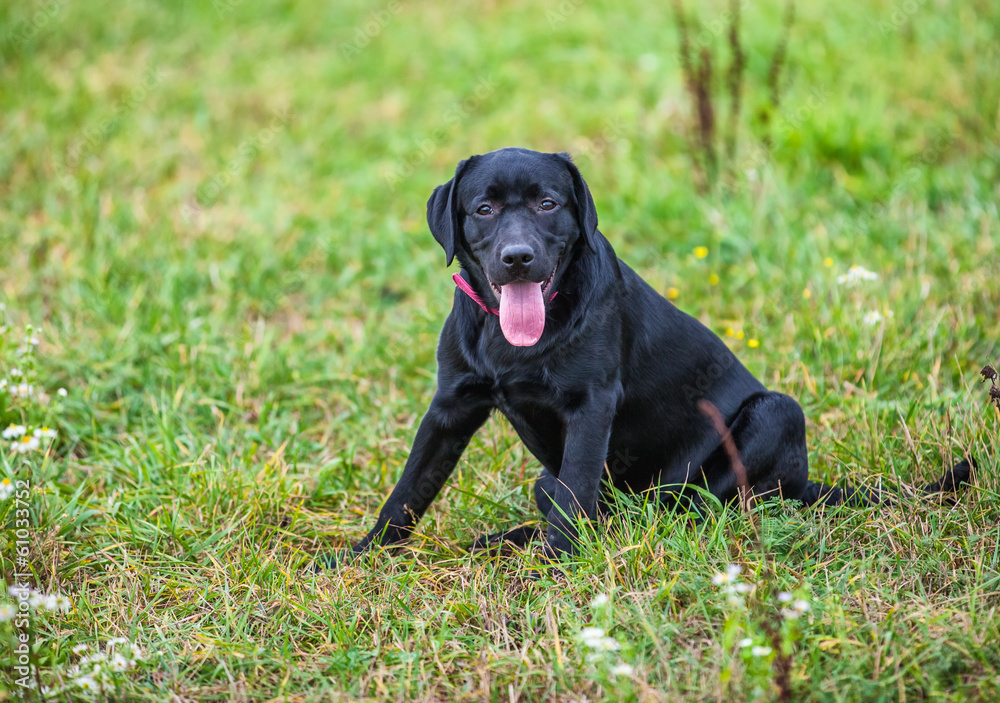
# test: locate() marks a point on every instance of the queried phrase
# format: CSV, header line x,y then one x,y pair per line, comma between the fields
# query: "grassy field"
x,y
212,217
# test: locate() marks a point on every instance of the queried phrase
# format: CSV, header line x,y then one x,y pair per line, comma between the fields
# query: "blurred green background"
x,y
215,213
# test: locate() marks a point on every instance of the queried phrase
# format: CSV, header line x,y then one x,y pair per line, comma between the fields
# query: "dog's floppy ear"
x,y
586,212
442,213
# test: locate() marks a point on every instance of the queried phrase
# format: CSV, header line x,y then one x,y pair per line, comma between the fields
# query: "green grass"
x,y
215,214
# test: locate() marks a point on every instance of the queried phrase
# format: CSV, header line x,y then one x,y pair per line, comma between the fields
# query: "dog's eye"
x,y
484,210
547,204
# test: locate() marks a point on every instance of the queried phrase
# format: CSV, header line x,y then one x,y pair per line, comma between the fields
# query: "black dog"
x,y
593,368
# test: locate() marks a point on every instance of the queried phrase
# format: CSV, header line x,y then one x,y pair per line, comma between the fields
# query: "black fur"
x,y
611,390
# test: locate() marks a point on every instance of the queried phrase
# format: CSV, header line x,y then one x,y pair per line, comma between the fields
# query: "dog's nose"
x,y
517,257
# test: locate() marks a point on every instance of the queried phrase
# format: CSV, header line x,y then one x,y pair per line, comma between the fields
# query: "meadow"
x,y
221,302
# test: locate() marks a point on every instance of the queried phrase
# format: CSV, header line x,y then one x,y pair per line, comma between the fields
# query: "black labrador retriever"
x,y
601,377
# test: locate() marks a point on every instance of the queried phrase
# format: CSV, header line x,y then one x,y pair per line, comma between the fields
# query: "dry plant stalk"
x,y
742,485
772,624
989,373
698,82
735,80
780,52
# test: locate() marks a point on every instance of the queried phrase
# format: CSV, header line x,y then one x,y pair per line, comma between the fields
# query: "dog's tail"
x,y
822,494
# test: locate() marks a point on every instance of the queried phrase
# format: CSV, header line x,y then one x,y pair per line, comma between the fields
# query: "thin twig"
x,y
778,60
706,113
690,83
735,80
742,486
771,622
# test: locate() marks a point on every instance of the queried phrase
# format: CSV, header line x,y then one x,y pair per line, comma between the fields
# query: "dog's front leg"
x,y
441,438
588,431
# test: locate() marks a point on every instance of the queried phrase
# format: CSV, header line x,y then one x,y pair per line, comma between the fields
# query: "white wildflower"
x,y
86,683
743,588
599,601
62,392
6,489
622,670
746,642
594,638
7,611
872,318
119,663
63,603
115,641
16,373
855,275
732,571
36,600
801,605
25,445
760,651
80,649
95,659
23,390
790,614
14,431
785,597
609,644
45,433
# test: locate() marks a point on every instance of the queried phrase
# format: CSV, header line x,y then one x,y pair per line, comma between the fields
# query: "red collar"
x,y
467,289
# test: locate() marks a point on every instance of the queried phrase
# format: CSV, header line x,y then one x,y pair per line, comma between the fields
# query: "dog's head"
x,y
514,217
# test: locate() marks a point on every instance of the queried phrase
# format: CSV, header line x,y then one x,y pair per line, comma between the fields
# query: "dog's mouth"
x,y
522,309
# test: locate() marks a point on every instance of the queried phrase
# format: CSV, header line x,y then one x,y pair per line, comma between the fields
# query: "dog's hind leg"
x,y
769,433
545,487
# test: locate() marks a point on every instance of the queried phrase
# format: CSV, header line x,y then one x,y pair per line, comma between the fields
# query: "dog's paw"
x,y
509,540
494,544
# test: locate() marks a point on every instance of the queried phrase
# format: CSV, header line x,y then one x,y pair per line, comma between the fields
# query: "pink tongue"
x,y
522,313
